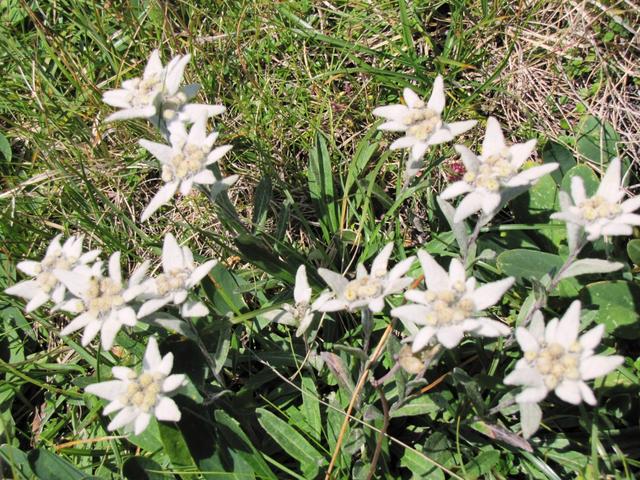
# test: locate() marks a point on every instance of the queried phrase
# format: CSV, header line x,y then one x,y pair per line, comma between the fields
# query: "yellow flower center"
x,y
103,295
422,122
556,363
363,289
56,260
171,281
189,161
493,172
143,391
449,307
597,207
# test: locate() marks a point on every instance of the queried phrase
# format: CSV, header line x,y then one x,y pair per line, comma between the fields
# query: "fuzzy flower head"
x,y
44,285
492,174
422,123
601,214
451,306
102,302
299,314
185,161
158,96
367,289
179,275
555,358
137,397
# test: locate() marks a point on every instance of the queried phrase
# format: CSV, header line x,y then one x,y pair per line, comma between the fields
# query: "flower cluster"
x,y
453,305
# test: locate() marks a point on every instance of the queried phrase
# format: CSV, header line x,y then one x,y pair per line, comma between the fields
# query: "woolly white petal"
x,y
204,177
172,256
90,332
441,135
376,305
591,339
435,277
437,99
141,423
631,204
493,141
109,390
458,128
29,267
108,334
403,142
379,265
532,395
162,152
586,393
162,197
521,151
491,293
469,205
450,337
124,417
612,229
77,323
152,357
217,153
301,290
37,301
391,112
119,98
167,410
530,175
457,188
193,309
422,338
418,150
490,328
567,331
569,391
336,281
392,127
200,272
599,365
25,289
173,382
411,98
152,305
129,113
526,340
610,183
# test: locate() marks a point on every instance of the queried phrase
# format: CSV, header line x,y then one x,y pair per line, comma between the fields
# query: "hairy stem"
x,y
383,431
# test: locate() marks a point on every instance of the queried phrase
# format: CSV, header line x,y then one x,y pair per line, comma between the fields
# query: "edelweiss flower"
x,y
44,285
556,359
300,314
422,123
157,95
601,214
179,275
450,305
141,396
494,174
102,302
366,290
185,163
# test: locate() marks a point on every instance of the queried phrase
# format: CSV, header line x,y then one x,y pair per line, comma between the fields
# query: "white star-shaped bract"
x,y
185,161
137,397
158,96
601,214
367,289
555,358
179,275
451,306
300,313
494,174
422,123
44,286
102,302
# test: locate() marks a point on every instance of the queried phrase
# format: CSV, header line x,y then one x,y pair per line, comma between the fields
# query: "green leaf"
x,y
261,202
617,304
291,442
522,263
17,460
589,178
419,468
241,446
260,254
321,190
633,250
586,266
311,407
221,286
595,140
554,152
143,468
482,464
53,467
176,448
422,405
5,148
